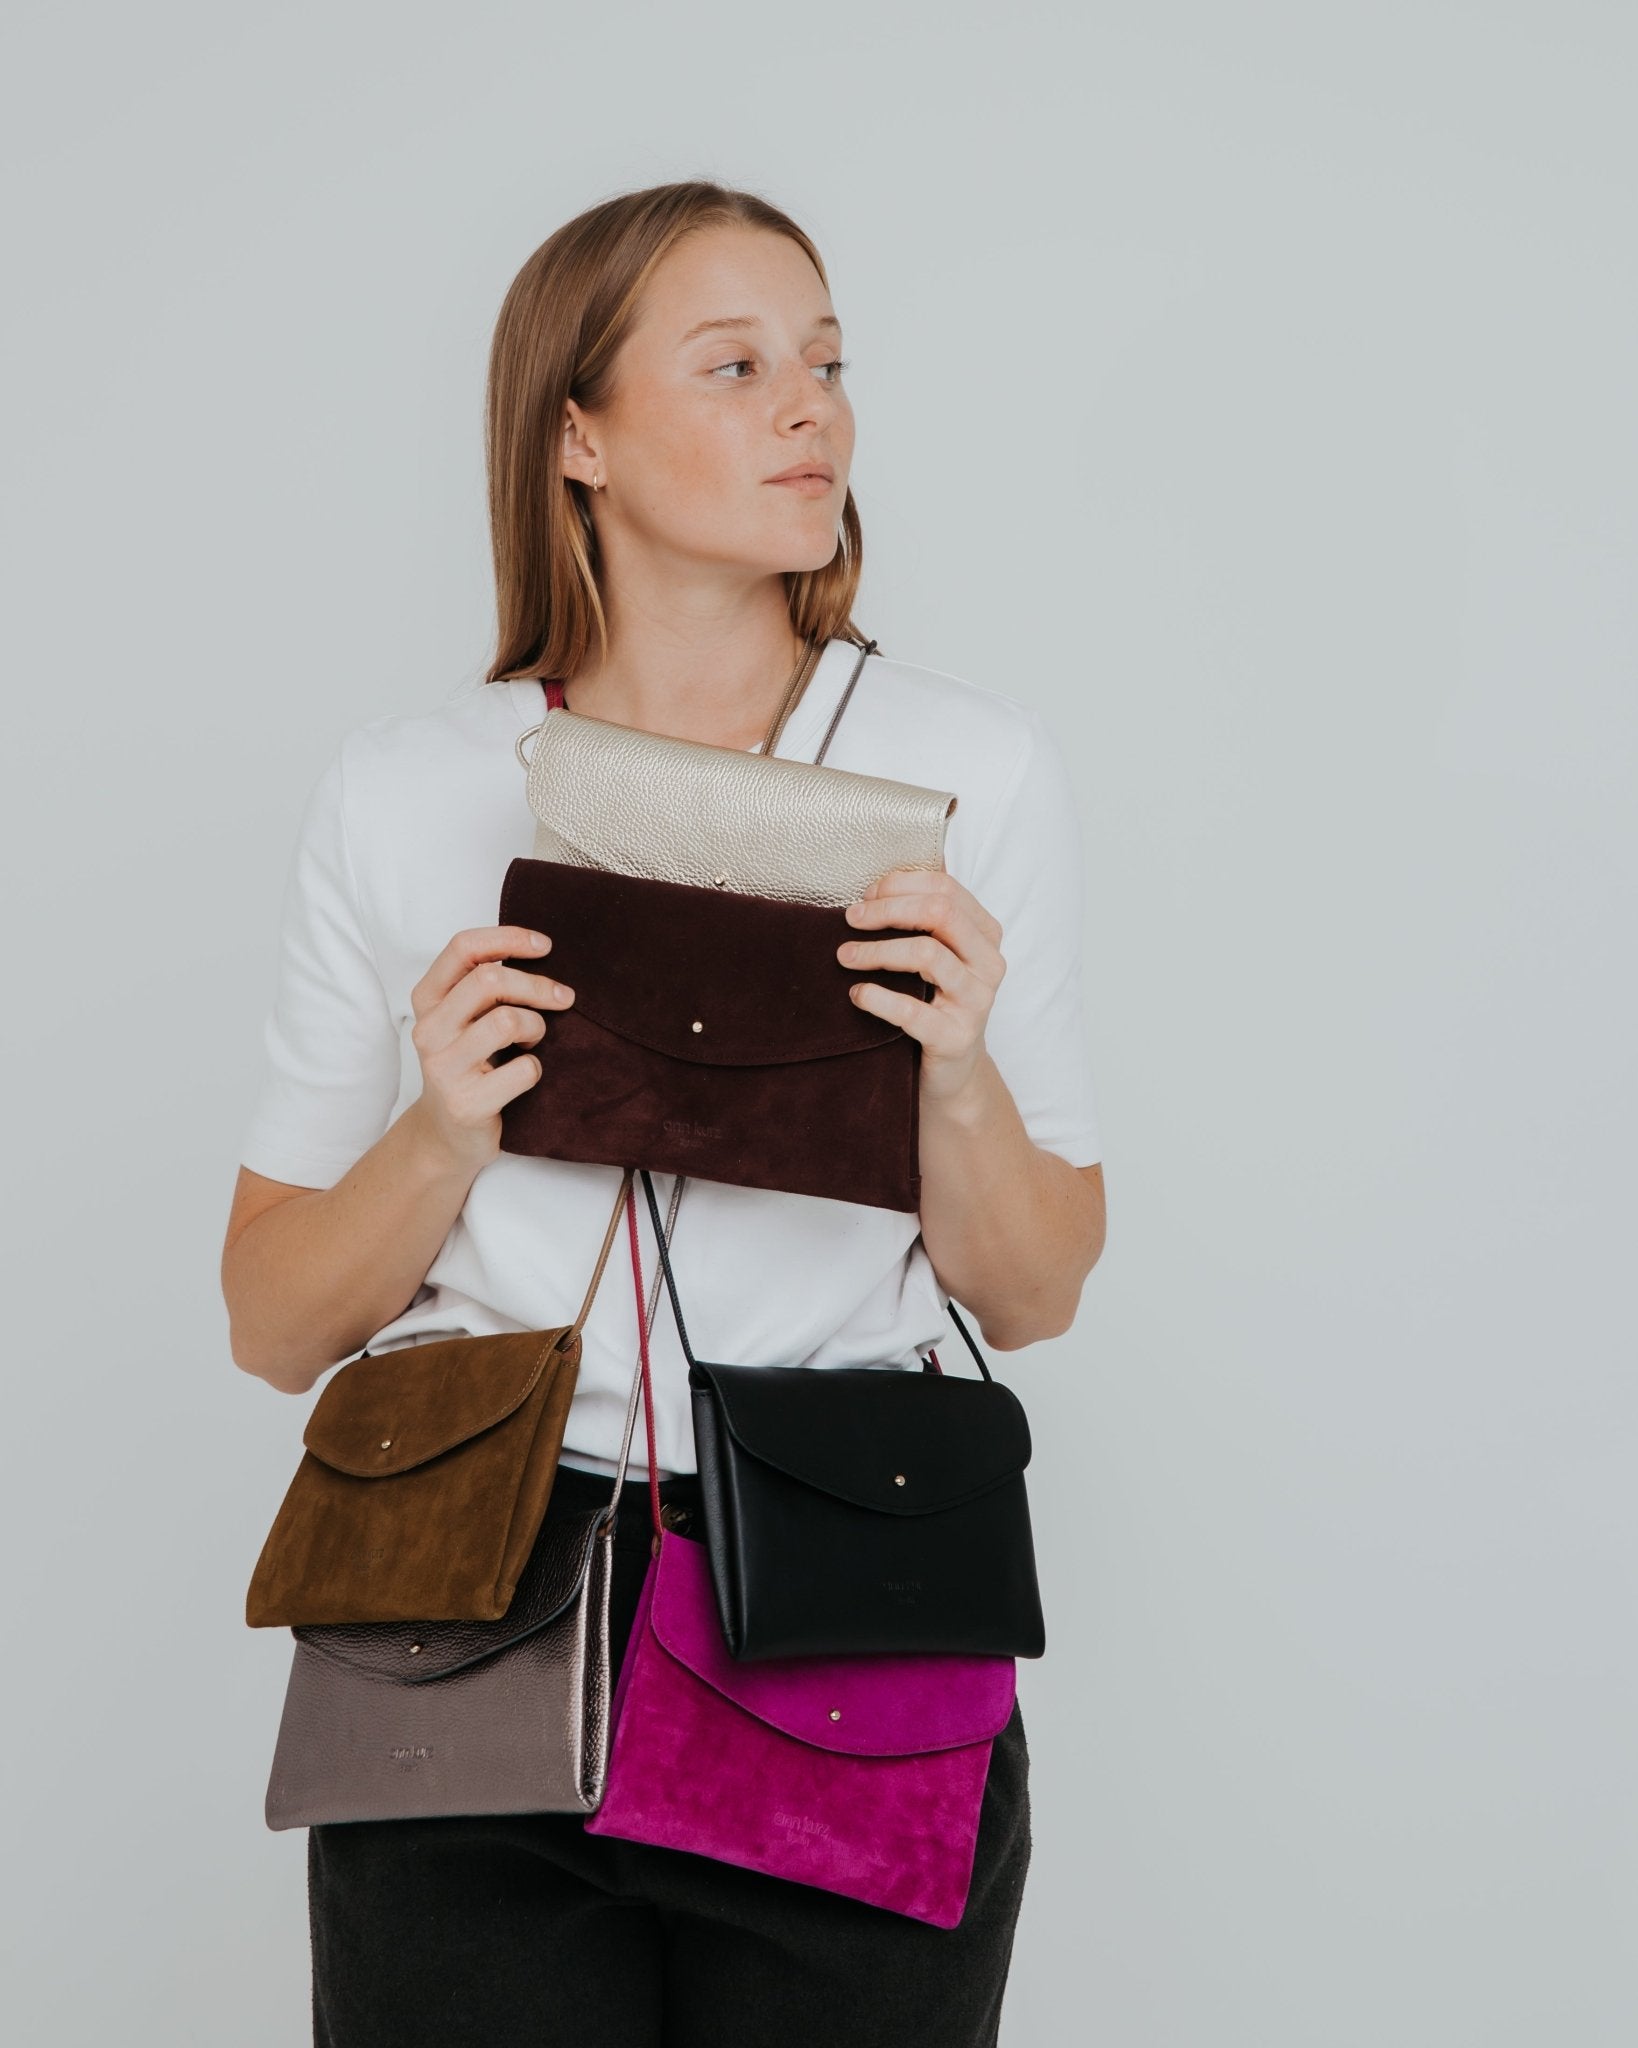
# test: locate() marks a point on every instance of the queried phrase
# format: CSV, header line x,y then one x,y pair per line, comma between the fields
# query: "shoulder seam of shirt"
x,y
352,868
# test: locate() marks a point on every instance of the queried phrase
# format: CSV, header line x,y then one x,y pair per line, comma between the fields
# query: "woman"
x,y
669,446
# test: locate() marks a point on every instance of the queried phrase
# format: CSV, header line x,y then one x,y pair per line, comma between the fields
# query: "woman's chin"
x,y
809,563
780,548
798,554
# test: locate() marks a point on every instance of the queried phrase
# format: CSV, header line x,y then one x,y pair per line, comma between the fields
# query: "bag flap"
x,y
879,1436
386,1412
415,1652
704,975
875,1705
721,809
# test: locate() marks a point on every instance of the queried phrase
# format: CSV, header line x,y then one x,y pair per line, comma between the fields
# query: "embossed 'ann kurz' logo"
x,y
410,1753
801,1824
680,1127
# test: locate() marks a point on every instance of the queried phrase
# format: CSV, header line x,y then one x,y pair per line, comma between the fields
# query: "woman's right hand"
x,y
467,1005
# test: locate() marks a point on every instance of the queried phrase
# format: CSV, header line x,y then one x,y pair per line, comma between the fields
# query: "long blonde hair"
x,y
558,333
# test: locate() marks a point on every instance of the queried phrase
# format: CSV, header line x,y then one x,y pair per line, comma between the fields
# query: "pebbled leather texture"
x,y
501,1717
785,1084
881,1803
640,803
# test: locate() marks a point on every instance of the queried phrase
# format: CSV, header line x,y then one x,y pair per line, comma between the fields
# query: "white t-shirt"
x,y
405,839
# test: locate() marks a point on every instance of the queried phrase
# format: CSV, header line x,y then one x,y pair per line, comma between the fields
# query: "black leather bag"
x,y
852,1509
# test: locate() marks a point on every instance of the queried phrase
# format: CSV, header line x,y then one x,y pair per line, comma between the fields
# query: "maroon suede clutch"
x,y
712,1034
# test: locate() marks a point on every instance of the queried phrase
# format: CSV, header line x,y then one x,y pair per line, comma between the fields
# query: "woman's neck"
x,y
719,682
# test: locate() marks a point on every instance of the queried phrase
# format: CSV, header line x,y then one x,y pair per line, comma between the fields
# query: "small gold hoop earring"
x,y
597,480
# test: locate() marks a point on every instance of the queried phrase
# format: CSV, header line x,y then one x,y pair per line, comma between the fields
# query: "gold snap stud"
x,y
836,1713
415,1649
698,1026
719,880
386,1443
898,1478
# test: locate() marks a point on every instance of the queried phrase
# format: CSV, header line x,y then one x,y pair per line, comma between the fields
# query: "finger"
x,y
501,1026
967,927
489,983
484,1091
451,1065
938,1029
494,1087
921,953
907,881
972,948
464,952
940,905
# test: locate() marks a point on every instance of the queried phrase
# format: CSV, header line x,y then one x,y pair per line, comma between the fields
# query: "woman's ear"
x,y
582,460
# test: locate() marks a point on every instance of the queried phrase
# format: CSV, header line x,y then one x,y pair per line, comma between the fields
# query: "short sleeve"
x,y
331,1072
1029,875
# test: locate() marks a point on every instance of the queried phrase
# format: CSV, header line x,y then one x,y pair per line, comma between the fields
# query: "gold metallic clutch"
x,y
639,803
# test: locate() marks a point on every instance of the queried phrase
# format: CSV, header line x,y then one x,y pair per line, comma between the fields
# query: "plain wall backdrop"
x,y
1252,389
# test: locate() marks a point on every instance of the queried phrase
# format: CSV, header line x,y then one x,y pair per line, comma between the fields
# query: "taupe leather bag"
x,y
399,1721
425,1479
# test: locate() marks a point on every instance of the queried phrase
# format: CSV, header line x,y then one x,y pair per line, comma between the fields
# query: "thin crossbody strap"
x,y
645,1323
602,1259
806,662
869,647
676,1305
793,697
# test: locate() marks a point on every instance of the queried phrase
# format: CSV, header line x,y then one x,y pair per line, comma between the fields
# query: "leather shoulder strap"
x,y
578,1324
807,661
793,697
868,647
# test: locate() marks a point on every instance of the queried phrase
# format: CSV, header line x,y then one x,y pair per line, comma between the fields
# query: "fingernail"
x,y
537,938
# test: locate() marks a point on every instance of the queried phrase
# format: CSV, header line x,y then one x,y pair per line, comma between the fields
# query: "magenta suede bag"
x,y
862,1775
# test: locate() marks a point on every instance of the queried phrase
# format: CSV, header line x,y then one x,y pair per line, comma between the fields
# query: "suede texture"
x,y
885,1704
786,1084
423,1485
745,1765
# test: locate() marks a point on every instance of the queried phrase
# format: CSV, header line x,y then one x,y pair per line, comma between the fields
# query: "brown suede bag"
x,y
425,1479
712,1034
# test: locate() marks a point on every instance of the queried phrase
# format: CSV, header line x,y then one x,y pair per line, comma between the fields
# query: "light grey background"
x,y
1250,388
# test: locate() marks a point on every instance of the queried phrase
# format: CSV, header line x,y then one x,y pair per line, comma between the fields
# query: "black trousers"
x,y
523,1931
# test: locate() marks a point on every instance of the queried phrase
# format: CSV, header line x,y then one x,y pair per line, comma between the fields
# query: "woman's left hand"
x,y
957,949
